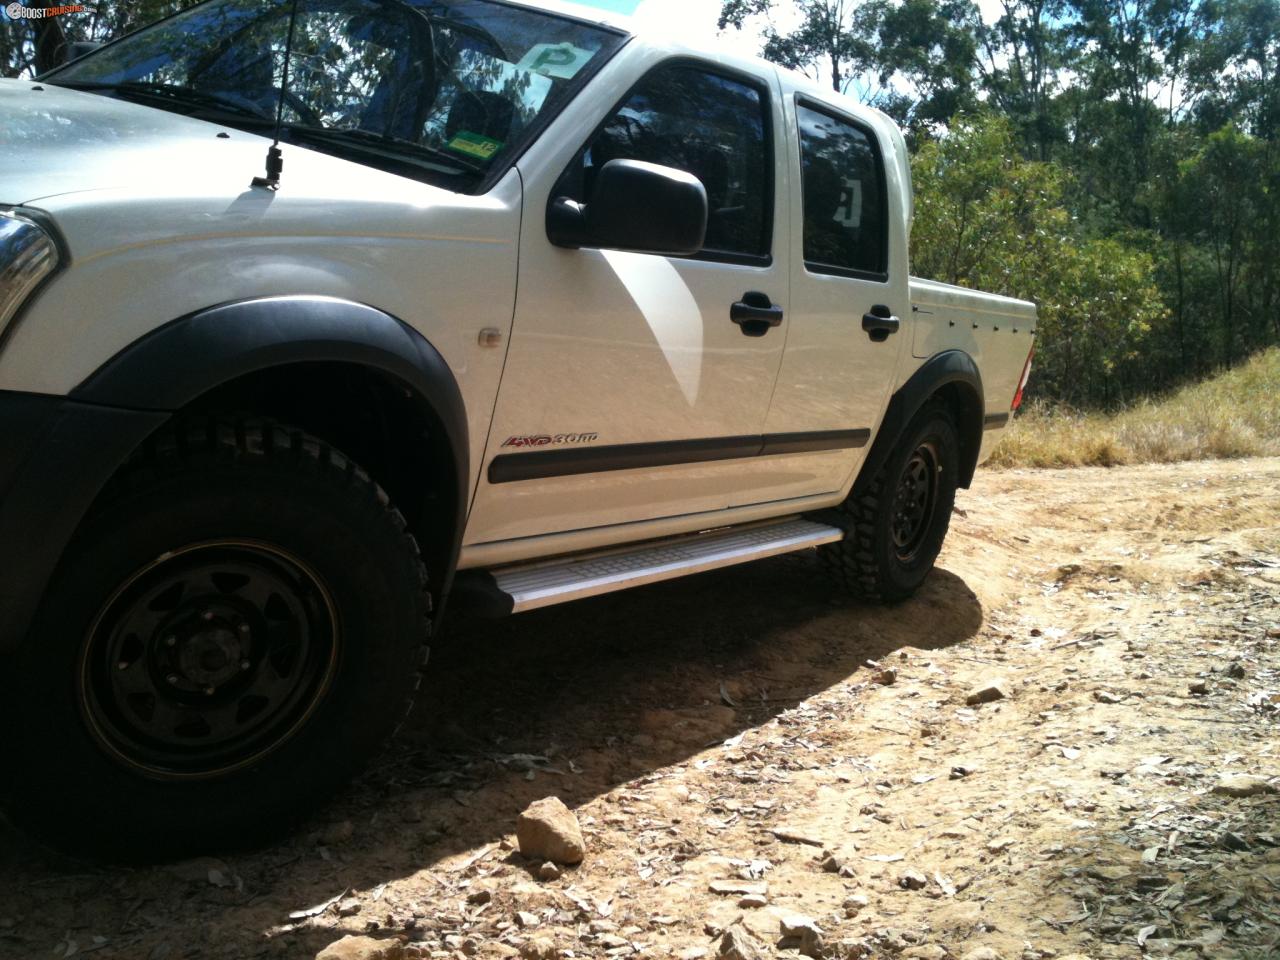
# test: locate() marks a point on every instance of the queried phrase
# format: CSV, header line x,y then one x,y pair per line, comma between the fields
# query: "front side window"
x,y
445,90
844,217
704,123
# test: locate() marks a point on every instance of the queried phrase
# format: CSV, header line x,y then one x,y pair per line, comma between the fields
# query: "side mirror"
x,y
637,206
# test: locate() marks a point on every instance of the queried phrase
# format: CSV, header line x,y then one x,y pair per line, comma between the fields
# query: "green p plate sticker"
x,y
474,145
561,60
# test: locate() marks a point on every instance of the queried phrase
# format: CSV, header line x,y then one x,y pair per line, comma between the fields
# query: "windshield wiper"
x,y
370,138
175,93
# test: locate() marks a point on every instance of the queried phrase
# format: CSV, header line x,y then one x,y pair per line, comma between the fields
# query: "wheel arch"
x,y
951,376
233,354
288,353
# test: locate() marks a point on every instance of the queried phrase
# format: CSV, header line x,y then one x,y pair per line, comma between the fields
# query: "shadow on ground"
x,y
606,690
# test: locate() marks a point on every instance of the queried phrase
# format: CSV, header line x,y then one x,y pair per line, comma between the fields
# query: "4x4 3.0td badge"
x,y
544,439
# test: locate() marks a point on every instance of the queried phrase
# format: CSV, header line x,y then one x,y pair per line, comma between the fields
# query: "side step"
x,y
529,586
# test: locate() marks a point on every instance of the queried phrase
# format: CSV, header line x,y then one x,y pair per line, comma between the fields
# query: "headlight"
x,y
27,255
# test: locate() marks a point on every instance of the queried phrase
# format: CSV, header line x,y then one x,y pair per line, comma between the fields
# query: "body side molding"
x,y
509,467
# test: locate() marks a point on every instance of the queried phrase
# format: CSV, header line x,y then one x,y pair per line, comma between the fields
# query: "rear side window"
x,y
843,186
707,124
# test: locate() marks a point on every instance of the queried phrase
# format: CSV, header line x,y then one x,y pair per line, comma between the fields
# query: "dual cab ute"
x,y
523,307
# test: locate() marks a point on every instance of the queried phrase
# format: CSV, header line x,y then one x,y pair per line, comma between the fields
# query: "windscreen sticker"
x,y
560,60
849,212
474,145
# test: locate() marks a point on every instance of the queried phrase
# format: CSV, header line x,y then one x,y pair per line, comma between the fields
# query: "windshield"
x,y
442,90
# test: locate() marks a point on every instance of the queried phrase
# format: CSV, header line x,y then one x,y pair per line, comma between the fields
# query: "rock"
x,y
598,927
912,880
348,907
1199,688
1243,785
539,948
802,933
479,897
961,770
526,919
982,953
839,862
548,830
928,951
988,692
737,943
549,871
362,948
337,833
1003,843
855,903
1106,696
1235,670
753,901
886,678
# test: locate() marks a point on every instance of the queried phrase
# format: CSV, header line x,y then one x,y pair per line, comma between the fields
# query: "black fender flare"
x,y
186,358
85,437
951,367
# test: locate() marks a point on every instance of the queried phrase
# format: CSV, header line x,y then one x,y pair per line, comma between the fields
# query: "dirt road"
x,y
730,729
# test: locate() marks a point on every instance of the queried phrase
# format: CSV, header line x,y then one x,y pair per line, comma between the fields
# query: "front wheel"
x,y
233,632
895,525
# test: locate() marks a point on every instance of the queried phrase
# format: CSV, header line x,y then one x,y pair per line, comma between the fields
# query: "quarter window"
x,y
707,124
844,218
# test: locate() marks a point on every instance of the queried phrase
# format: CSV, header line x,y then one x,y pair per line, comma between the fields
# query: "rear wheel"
x,y
232,634
895,525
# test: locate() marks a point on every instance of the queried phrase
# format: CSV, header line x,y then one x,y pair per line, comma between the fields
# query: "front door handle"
x,y
755,313
879,323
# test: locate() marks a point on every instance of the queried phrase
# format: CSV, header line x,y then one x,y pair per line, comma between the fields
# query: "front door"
x,y
629,393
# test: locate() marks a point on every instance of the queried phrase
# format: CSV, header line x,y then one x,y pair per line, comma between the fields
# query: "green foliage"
x,y
985,218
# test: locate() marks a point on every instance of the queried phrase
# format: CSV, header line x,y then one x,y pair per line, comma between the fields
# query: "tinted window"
x,y
709,125
844,221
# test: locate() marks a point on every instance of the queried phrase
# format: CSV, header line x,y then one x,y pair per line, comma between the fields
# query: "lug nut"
x,y
209,691
171,641
122,665
172,679
245,664
244,629
207,615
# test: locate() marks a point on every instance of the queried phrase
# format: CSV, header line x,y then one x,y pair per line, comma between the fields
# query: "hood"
x,y
54,140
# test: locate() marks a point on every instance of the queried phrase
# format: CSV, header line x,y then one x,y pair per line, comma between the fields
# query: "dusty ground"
x,y
729,727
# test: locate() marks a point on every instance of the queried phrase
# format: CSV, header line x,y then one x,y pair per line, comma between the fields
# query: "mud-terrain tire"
x,y
235,630
895,524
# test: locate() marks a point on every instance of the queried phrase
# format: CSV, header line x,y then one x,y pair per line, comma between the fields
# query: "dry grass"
x,y
1235,414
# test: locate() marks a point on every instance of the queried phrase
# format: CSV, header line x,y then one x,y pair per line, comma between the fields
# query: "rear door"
x,y
850,234
629,393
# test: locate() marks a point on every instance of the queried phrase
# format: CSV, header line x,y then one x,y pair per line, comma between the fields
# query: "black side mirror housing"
x,y
636,206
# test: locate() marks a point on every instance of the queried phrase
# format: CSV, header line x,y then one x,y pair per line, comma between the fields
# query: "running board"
x,y
530,586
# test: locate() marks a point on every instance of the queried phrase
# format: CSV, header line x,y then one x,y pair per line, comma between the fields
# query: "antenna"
x,y
275,161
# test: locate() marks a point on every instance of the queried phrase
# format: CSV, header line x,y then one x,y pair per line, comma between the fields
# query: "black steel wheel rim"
x,y
915,500
208,658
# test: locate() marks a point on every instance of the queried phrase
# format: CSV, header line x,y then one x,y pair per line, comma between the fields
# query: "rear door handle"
x,y
755,313
879,323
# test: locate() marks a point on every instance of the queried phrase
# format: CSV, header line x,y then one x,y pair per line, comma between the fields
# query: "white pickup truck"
x,y
524,307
